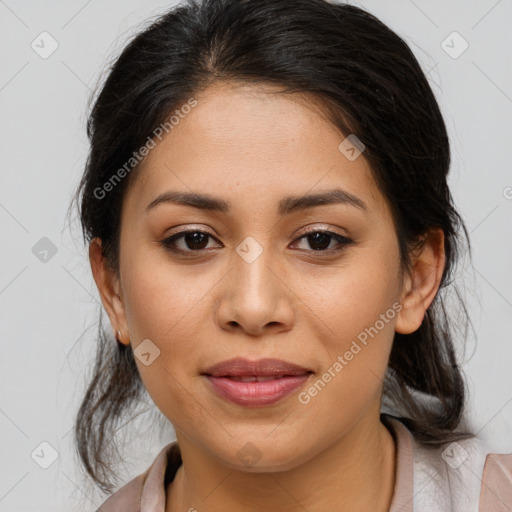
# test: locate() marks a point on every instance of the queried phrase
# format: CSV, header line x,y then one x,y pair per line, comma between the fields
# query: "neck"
x,y
357,472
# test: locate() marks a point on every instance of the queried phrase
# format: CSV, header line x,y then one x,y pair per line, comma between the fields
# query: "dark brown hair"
x,y
370,83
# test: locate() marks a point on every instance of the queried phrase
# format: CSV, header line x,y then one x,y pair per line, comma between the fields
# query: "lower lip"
x,y
256,393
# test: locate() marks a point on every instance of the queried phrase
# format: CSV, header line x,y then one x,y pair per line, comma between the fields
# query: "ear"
x,y
109,289
421,285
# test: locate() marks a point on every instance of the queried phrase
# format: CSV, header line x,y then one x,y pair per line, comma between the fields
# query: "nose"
x,y
255,298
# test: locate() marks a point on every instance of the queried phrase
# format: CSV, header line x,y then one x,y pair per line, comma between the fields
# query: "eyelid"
x,y
322,227
190,227
308,229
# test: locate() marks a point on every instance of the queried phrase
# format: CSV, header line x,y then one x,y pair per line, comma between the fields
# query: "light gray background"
x,y
49,309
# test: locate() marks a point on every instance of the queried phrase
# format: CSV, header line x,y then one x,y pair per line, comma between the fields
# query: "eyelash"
x,y
343,241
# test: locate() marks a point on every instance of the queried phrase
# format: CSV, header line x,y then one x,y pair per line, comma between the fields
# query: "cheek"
x,y
161,297
162,309
361,312
355,364
166,304
352,298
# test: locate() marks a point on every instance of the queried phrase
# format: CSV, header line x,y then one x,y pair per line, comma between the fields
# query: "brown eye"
x,y
321,241
190,241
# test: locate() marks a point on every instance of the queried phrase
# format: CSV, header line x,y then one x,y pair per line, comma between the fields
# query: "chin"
x,y
261,456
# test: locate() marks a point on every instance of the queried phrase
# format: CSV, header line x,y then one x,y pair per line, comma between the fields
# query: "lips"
x,y
240,367
255,378
255,383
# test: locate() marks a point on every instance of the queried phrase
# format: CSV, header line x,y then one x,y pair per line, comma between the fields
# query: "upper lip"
x,y
241,367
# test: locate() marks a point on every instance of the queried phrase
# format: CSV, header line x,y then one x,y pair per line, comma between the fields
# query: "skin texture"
x,y
251,147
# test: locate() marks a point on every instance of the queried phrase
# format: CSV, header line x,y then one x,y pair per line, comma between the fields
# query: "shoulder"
x,y
127,498
464,476
497,483
461,476
147,490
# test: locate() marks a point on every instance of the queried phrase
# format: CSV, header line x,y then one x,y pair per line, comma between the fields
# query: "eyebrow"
x,y
286,205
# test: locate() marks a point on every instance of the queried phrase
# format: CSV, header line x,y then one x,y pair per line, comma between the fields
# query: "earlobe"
x,y
108,287
422,284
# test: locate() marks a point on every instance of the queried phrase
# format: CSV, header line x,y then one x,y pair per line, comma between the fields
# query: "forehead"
x,y
244,139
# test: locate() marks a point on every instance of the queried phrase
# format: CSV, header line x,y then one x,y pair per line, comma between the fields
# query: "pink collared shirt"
x,y
454,477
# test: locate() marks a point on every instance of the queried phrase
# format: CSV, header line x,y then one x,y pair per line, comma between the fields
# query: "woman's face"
x,y
259,279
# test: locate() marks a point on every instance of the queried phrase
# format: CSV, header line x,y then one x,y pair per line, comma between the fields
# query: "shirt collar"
x,y
168,461
402,500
